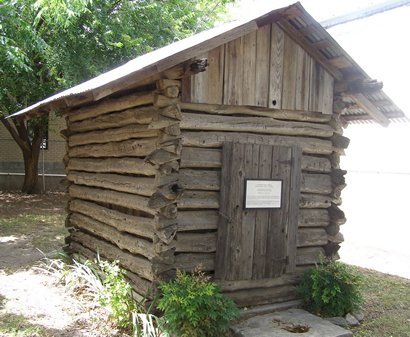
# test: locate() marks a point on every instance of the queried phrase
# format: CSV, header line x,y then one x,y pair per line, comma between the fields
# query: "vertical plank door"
x,y
257,243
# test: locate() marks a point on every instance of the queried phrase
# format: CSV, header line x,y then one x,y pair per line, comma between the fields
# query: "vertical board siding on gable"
x,y
264,68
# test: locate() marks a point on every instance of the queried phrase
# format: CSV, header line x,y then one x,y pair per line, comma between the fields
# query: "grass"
x,y
386,307
18,326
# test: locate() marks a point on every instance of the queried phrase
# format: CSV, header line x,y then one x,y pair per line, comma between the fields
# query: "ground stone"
x,y
275,325
359,315
340,321
352,320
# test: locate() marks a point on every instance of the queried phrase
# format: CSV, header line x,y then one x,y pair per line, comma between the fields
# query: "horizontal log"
x,y
196,242
110,105
316,183
123,222
135,185
197,220
309,255
113,165
260,296
200,179
140,285
308,200
112,135
126,200
196,157
190,261
136,264
333,229
172,111
216,139
313,218
338,238
162,101
199,199
141,116
128,148
192,121
210,199
336,215
122,240
315,164
227,286
340,141
311,237
294,115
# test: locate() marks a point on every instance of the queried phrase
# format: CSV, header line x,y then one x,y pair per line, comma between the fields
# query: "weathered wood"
x,y
276,67
190,261
172,111
336,215
311,237
308,255
216,139
313,218
196,157
127,200
196,242
117,165
315,164
233,72
191,121
200,179
197,220
249,66
290,50
260,296
332,229
161,156
314,201
166,83
124,241
339,141
141,116
123,222
331,249
363,102
229,286
199,199
338,238
161,101
140,285
279,114
166,195
110,105
262,63
316,183
136,264
113,135
135,185
128,148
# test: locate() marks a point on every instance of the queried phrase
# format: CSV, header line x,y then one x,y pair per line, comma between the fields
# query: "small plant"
x,y
330,288
194,307
116,294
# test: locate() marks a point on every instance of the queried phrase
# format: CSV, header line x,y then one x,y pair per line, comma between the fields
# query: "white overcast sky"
x,y
379,44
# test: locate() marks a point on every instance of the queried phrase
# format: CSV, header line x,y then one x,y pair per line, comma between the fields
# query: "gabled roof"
x,y
363,98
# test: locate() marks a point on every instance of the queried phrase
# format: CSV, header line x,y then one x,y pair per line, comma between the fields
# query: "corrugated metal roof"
x,y
294,20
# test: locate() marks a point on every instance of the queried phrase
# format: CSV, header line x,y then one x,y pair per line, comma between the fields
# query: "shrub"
x,y
194,307
330,289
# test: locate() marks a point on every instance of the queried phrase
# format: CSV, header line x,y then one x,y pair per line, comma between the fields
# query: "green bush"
x,y
194,307
330,289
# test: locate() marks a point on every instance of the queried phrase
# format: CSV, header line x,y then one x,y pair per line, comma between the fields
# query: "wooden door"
x,y
257,243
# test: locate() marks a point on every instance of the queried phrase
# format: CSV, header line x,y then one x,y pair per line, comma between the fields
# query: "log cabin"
x,y
220,151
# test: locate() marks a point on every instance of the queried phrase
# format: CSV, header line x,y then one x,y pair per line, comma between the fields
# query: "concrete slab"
x,y
275,325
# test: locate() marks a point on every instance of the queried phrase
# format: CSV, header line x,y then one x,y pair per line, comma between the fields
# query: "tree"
x,y
49,45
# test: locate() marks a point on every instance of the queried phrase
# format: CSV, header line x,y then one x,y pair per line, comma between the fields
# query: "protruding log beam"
x,y
110,105
161,156
141,116
128,148
122,240
137,225
111,165
172,111
336,215
339,141
358,86
126,200
135,185
331,249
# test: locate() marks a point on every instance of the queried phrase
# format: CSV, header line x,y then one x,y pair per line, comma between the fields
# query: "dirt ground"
x,y
32,302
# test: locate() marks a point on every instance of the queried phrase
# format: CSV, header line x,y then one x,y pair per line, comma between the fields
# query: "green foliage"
x,y
194,307
330,288
116,293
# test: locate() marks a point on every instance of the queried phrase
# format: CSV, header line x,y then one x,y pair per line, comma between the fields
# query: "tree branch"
x,y
22,144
